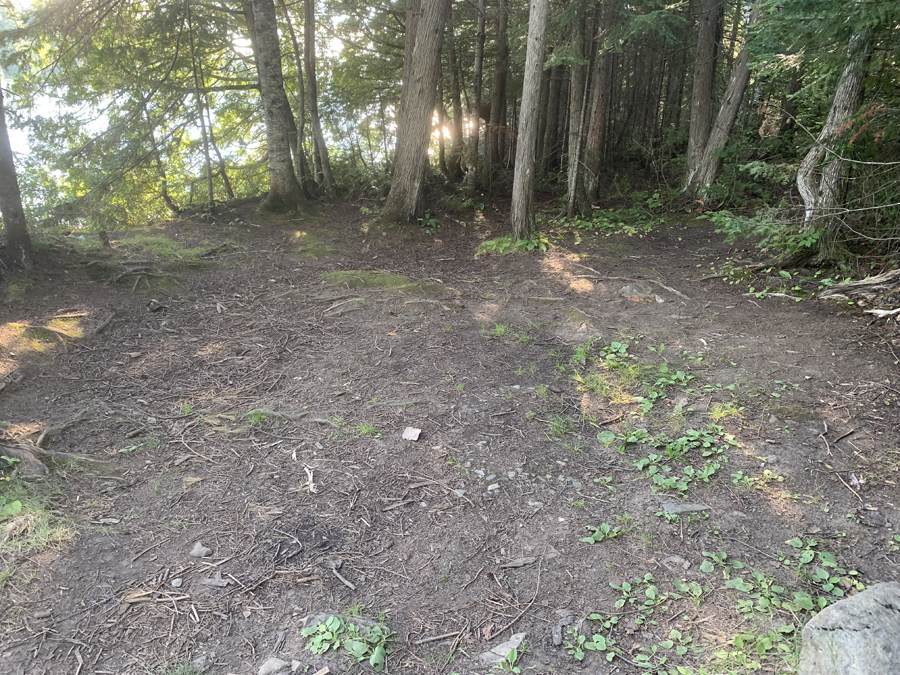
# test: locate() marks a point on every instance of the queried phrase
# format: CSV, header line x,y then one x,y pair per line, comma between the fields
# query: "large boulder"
x,y
856,636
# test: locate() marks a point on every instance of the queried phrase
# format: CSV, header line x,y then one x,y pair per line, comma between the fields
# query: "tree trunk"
x,y
707,169
160,167
549,151
285,194
704,73
576,200
309,32
442,150
19,250
475,108
593,147
404,201
522,209
457,148
201,117
821,195
542,115
498,94
300,134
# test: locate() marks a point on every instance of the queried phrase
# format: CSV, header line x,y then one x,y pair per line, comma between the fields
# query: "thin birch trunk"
x,y
475,108
309,33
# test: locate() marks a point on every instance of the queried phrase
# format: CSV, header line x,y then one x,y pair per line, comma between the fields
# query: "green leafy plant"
x,y
603,532
368,643
506,245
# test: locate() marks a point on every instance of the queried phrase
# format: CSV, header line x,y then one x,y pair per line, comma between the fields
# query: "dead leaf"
x,y
190,480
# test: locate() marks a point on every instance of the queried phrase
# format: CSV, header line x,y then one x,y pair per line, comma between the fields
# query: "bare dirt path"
x,y
732,461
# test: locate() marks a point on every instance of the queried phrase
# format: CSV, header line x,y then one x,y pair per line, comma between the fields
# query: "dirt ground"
x,y
254,402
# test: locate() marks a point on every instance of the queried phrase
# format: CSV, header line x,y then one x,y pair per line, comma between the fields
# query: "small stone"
x,y
498,654
556,635
319,446
460,492
856,636
495,486
151,420
675,563
272,666
295,666
176,583
491,477
479,473
200,551
200,664
411,434
676,509
510,474
574,482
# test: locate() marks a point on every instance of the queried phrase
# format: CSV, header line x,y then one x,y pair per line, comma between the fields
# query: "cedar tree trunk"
x,y
404,202
522,209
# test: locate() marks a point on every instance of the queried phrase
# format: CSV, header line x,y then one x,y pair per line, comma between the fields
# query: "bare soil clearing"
x,y
257,408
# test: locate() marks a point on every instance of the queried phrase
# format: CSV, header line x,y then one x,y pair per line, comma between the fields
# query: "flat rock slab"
x,y
856,636
498,654
678,509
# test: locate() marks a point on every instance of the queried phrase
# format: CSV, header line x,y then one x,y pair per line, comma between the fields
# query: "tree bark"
x,y
306,181
160,167
593,147
710,162
458,147
821,195
475,108
498,94
576,200
309,33
522,209
201,117
704,73
19,250
404,201
285,194
549,151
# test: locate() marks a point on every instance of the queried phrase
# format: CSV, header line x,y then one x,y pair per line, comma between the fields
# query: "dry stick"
x,y
445,636
855,493
843,436
343,580
150,548
472,580
652,281
527,607
744,543
827,447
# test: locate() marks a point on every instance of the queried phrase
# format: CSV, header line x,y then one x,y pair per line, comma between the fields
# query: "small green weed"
x,y
364,429
602,533
498,330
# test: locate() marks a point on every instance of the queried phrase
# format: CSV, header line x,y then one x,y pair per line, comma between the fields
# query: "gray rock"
x,y
640,291
499,653
676,564
200,551
678,509
200,664
574,482
856,636
556,635
272,666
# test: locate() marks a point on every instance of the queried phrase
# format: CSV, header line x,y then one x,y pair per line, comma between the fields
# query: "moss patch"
x,y
311,245
795,412
391,282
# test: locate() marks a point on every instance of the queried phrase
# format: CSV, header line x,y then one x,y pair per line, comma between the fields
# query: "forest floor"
x,y
636,483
